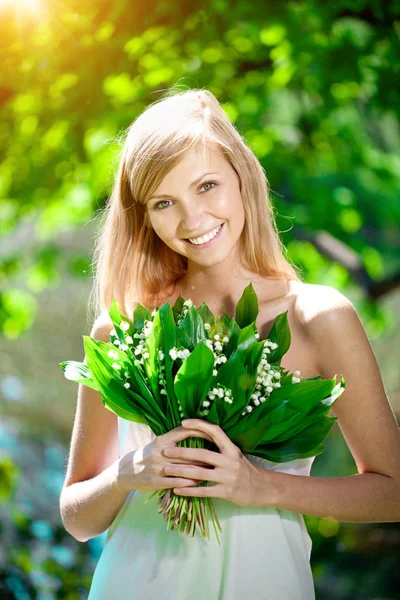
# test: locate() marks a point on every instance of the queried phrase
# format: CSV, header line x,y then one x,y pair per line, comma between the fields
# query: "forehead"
x,y
197,160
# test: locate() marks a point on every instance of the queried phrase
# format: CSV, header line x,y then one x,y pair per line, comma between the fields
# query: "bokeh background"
x,y
314,88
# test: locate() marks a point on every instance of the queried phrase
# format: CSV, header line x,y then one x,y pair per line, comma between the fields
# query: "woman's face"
x,y
198,195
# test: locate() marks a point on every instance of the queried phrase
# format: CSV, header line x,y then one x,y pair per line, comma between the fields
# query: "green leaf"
x,y
280,334
169,341
247,307
154,341
107,378
193,325
116,318
140,315
193,379
112,391
78,372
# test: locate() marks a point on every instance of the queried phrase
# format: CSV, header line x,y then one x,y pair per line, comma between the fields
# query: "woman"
x,y
190,215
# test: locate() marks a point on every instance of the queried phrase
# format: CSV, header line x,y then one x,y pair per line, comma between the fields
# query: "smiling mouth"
x,y
208,242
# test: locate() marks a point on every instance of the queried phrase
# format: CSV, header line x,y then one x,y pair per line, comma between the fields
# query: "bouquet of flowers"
x,y
183,362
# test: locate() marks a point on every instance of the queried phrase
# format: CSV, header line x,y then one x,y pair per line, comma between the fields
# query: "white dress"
x,y
264,552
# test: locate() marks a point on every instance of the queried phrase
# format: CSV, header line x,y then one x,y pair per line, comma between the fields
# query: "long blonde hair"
x,y
131,263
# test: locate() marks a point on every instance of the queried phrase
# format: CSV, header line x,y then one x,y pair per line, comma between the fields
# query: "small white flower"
x,y
257,335
124,325
221,393
211,396
207,326
127,385
126,373
129,339
270,389
146,355
206,403
116,342
116,366
124,347
216,336
218,346
163,392
225,339
297,373
257,402
153,314
136,363
113,332
295,380
249,408
215,372
173,354
112,354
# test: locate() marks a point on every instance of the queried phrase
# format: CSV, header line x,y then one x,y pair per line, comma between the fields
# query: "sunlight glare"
x,y
34,6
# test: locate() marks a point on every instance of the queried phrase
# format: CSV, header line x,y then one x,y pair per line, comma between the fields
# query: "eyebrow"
x,y
195,182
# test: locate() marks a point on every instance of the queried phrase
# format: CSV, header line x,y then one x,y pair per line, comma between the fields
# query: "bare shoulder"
x,y
333,328
101,327
316,303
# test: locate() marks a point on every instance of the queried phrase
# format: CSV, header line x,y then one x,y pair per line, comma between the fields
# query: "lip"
x,y
206,244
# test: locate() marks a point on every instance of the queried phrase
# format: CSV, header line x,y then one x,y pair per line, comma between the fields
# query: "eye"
x,y
157,205
213,183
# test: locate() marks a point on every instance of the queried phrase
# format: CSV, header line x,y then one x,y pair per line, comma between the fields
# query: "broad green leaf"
x,y
247,307
193,325
169,342
154,341
280,334
78,372
117,317
100,365
193,379
140,315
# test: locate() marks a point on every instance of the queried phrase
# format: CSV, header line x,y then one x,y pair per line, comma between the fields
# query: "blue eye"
x,y
157,205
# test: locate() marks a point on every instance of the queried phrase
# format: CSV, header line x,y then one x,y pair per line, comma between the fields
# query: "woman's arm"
x,y
91,497
365,418
89,507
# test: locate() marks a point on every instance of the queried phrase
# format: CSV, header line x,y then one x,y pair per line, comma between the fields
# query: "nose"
x,y
191,216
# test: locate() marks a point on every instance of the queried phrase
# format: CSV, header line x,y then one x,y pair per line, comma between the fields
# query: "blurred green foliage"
x,y
311,86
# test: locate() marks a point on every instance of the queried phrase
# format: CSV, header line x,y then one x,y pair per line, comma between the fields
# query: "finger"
x,y
181,433
219,437
180,461
193,472
200,491
183,482
192,454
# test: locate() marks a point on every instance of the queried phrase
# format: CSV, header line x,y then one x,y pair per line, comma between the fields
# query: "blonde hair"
x,y
131,263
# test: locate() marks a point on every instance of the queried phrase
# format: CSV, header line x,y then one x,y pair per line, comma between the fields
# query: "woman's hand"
x,y
236,478
144,469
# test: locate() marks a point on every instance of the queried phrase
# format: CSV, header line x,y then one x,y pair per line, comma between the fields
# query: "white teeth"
x,y
205,238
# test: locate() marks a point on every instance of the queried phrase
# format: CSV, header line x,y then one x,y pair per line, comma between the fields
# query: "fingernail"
x,y
186,422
